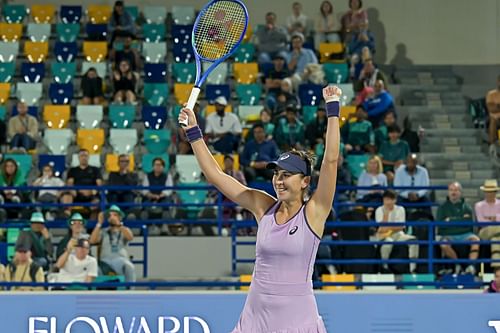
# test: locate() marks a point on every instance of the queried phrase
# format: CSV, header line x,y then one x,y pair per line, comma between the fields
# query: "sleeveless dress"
x,y
281,298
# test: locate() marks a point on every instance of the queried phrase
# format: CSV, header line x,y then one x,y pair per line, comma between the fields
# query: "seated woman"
x,y
374,177
120,23
10,175
92,88
48,179
124,82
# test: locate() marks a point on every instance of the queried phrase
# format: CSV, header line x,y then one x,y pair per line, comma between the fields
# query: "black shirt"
x,y
127,56
127,179
85,177
278,75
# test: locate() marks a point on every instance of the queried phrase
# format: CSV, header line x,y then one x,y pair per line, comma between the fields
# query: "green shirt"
x,y
359,133
381,135
394,152
288,134
455,212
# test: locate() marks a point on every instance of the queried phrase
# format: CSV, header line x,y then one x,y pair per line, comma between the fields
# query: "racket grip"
x,y
193,97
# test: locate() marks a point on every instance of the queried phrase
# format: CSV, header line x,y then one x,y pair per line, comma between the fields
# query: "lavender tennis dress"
x,y
281,298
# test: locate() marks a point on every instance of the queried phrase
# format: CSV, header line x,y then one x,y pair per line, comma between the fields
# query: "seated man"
x,y
158,177
22,129
257,153
114,241
488,210
381,133
412,174
455,209
122,177
24,269
493,106
38,240
273,80
76,231
358,136
393,152
390,212
298,58
223,128
270,40
75,264
290,131
378,104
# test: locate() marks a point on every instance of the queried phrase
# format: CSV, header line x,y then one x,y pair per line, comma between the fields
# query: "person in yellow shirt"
x,y
23,269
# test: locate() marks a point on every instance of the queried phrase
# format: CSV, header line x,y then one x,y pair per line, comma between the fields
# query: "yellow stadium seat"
x,y
327,49
43,13
36,51
90,139
345,112
211,109
56,116
248,34
112,163
220,160
338,278
11,32
182,92
99,14
4,92
95,51
246,73
245,278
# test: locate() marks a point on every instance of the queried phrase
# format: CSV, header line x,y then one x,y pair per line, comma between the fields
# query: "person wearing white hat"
x,y
223,128
488,210
38,239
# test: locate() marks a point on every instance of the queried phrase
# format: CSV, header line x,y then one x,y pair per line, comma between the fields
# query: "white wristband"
x,y
332,99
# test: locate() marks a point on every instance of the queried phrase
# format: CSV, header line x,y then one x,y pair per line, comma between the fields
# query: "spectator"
x,y
24,269
312,74
454,210
284,98
290,132
223,128
158,177
124,82
22,130
381,133
38,240
389,212
11,176
274,78
257,153
344,178
47,179
92,88
85,175
75,264
120,23
364,84
493,106
128,53
327,27
358,135
184,148
76,224
265,120
297,22
299,57
360,40
393,152
113,242
379,104
358,64
494,286
410,136
271,40
122,177
412,174
316,129
488,210
355,20
374,177
3,132
228,211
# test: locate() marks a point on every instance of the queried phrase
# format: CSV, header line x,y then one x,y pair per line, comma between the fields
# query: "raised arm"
x,y
254,200
320,204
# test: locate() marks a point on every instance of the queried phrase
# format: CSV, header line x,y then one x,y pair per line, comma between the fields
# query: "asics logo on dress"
x,y
293,230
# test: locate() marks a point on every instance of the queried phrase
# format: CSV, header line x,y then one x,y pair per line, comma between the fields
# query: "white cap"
x,y
221,100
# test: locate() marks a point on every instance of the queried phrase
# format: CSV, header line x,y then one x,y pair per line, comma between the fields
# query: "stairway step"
x,y
456,132
427,109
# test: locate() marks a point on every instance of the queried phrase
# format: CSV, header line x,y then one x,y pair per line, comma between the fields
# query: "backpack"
x,y
33,270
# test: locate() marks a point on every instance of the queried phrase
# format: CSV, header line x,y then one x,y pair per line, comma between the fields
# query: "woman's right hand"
x,y
189,115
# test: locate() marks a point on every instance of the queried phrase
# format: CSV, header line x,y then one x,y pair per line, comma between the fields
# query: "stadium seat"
x,y
176,109
156,94
63,72
218,75
338,278
219,158
4,92
58,163
24,163
99,14
348,93
154,117
211,109
153,33
336,73
189,170
90,139
38,32
43,13
121,116
89,116
245,278
56,116
95,51
7,71
3,112
11,32
154,52
112,160
67,32
184,73
8,51
61,93
183,14
65,52
29,93
357,164
157,141
345,112
32,72
123,141
70,14
248,34
94,160
155,14
155,73
133,12
147,161
36,51
212,91
58,140
183,53
378,278
418,278
309,113
249,94
181,33
245,53
182,92
14,13
249,112
192,196
326,50
32,111
100,67
246,73
96,32
310,94
458,281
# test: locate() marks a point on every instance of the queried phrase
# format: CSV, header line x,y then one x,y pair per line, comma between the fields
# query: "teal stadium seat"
x,y
336,73
245,53
24,163
309,113
147,161
67,32
418,278
123,140
184,72
121,116
157,141
3,112
156,94
357,164
14,13
192,196
153,33
7,71
249,94
133,11
63,72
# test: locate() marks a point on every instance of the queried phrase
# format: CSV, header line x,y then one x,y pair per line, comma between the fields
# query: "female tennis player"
x,y
281,296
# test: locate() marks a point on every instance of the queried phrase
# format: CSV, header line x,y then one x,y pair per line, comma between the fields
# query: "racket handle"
x,y
193,97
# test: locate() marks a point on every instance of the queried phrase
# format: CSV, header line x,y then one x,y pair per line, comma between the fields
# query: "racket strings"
x,y
219,29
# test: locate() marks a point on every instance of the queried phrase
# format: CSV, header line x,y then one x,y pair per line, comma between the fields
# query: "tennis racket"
x,y
217,33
